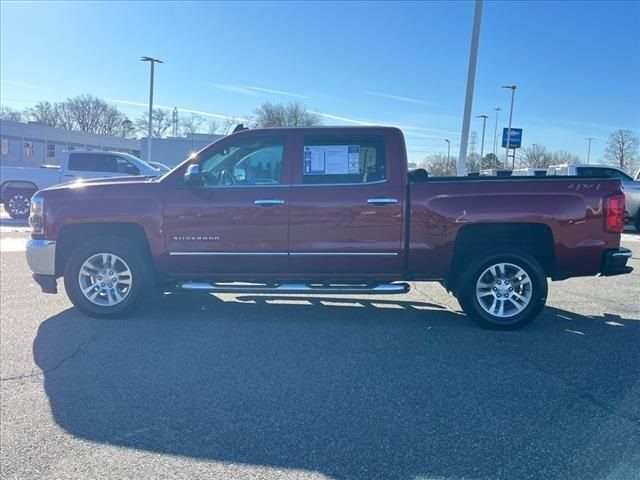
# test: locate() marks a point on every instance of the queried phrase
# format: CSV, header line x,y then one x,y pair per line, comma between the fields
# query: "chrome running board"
x,y
290,288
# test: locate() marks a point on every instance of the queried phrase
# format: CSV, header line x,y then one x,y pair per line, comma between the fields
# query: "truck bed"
x,y
466,211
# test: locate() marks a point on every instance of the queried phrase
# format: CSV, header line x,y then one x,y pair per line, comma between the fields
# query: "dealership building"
x,y
34,144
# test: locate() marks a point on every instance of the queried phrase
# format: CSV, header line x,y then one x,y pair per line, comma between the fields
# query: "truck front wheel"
x,y
16,203
106,277
503,290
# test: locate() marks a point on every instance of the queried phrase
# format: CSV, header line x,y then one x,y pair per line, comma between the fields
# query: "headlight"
x,y
36,219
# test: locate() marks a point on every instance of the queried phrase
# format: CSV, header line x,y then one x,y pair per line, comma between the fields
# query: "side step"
x,y
289,288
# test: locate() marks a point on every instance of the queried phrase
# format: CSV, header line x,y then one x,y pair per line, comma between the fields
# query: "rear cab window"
x,y
329,159
99,162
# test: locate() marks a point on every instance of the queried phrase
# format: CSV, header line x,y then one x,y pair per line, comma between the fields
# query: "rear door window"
x,y
343,159
93,162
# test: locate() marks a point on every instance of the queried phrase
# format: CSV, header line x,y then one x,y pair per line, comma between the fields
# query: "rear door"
x,y
346,212
237,222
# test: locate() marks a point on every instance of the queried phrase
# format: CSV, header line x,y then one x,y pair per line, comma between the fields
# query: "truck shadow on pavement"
x,y
352,389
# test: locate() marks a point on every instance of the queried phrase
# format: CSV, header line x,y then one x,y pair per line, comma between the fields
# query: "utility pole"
x,y
174,122
484,125
472,142
471,78
589,148
506,158
448,150
495,137
153,61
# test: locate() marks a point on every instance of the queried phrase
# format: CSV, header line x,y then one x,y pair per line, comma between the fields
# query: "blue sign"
x,y
515,139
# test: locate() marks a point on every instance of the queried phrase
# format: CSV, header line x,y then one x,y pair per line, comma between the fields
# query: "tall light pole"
x,y
495,133
153,61
484,125
448,150
589,148
471,79
506,157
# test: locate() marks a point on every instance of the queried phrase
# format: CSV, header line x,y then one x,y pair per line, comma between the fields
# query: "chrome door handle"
x,y
382,201
69,175
269,202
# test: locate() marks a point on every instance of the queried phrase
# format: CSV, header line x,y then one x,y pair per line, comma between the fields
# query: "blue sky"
x,y
576,64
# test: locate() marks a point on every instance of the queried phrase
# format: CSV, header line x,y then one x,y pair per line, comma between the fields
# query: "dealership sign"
x,y
515,138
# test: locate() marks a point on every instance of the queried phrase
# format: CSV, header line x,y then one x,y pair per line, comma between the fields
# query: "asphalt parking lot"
x,y
244,387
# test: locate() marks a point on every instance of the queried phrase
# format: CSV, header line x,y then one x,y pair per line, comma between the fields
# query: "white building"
x,y
173,150
33,144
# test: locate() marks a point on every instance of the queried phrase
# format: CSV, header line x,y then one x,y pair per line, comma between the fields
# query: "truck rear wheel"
x,y
503,290
16,203
106,277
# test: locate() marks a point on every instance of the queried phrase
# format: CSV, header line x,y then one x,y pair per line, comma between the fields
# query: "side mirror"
x,y
193,176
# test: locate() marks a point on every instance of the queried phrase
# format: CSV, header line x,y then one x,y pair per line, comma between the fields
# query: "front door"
x,y
237,221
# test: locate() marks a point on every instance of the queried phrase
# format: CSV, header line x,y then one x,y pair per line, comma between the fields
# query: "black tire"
x,y
134,258
536,288
638,221
16,202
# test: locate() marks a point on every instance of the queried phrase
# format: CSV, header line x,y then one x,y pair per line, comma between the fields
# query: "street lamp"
x,y
506,158
589,148
448,150
484,124
153,61
471,79
495,133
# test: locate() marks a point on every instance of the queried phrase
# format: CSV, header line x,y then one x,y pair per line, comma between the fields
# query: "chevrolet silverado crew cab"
x,y
18,184
324,210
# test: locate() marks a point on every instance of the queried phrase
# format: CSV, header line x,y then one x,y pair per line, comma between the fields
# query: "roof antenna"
x,y
240,127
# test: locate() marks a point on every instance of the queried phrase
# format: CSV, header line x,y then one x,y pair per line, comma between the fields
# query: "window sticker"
x,y
332,159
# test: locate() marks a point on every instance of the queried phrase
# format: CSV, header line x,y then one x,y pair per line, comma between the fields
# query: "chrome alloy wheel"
x,y
19,205
105,279
504,290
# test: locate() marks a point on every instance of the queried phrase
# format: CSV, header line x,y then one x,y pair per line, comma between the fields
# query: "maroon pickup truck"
x,y
324,210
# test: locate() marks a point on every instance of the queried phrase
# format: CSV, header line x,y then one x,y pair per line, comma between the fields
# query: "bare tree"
x,y
562,157
7,113
536,156
293,114
622,149
190,125
229,124
44,112
160,124
212,127
473,162
438,166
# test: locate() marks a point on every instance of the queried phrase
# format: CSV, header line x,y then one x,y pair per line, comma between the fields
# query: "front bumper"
x,y
614,262
41,258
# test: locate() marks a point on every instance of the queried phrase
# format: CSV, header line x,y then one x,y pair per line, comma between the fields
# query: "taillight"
x,y
614,213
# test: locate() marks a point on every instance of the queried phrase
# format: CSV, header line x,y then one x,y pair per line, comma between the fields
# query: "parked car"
x,y
324,210
20,183
631,186
161,167
530,172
